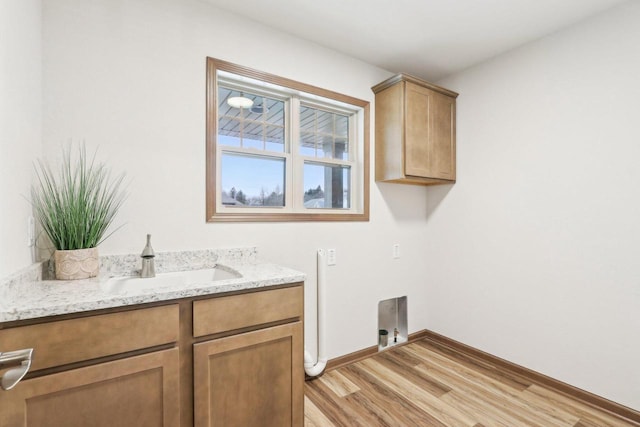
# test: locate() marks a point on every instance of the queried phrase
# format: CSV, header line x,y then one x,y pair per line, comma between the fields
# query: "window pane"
x,y
260,126
252,136
342,126
308,144
324,122
331,131
341,149
229,132
327,186
251,141
274,136
275,112
228,140
325,148
252,180
307,119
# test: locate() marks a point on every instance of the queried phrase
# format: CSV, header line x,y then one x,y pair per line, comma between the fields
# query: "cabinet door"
x,y
442,137
250,379
429,133
136,391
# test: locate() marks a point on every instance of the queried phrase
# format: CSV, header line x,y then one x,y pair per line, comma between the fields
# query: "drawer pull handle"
x,y
19,362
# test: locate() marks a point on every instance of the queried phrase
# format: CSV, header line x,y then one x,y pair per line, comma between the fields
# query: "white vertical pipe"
x,y
313,369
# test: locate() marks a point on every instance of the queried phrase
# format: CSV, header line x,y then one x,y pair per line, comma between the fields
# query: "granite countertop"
x,y
25,295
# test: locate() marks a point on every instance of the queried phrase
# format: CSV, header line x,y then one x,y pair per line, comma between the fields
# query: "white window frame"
x,y
294,94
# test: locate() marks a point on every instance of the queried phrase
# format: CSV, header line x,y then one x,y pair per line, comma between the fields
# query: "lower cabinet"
x,y
236,359
250,379
141,391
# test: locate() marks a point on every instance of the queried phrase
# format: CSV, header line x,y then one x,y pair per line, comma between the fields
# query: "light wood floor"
x,y
425,384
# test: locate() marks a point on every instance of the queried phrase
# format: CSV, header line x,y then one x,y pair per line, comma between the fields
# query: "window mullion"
x,y
357,180
333,136
294,176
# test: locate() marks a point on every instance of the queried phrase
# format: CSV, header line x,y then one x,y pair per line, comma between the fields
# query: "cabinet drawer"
x,y
222,314
75,340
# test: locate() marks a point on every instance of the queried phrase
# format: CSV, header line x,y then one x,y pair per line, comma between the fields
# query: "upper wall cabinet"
x,y
415,132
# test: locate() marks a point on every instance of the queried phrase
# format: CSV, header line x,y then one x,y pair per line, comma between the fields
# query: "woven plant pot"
x,y
77,264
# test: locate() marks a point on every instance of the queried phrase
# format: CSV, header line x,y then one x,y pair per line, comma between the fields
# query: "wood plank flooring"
x,y
427,384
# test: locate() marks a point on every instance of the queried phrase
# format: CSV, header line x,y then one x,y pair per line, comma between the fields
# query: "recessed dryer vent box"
x,y
392,318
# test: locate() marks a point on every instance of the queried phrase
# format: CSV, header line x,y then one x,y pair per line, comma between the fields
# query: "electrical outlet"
x,y
331,257
396,251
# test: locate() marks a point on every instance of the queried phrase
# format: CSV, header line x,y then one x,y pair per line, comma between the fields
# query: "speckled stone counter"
x,y
25,295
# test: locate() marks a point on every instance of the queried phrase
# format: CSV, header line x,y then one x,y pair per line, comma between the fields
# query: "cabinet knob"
x,y
18,362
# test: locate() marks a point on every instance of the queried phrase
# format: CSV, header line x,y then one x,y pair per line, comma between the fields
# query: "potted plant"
x,y
75,207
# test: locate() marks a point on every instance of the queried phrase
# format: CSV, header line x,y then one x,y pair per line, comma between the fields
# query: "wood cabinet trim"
x,y
217,315
403,77
76,340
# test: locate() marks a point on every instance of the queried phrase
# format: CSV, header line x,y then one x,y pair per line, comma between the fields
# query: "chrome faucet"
x,y
148,265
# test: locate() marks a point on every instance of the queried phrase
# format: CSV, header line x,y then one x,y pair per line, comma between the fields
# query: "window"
x,y
280,150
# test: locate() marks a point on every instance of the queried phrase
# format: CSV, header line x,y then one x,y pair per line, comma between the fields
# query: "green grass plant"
x,y
76,205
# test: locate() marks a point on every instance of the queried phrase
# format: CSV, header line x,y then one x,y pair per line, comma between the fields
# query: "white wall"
x,y
534,254
20,124
129,77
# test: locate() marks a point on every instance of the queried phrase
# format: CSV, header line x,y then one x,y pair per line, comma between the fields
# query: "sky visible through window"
x,y
254,176
260,181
